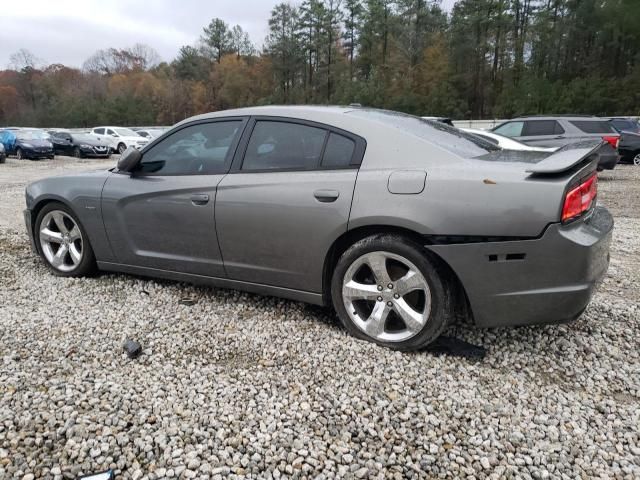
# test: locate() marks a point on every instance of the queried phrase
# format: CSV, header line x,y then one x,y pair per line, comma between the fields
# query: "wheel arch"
x,y
348,238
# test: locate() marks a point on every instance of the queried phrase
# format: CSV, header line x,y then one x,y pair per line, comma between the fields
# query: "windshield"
x,y
449,138
621,125
32,135
125,132
83,137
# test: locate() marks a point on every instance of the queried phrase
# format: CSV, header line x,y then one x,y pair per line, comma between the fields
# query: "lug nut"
x,y
379,299
390,304
396,296
379,288
390,286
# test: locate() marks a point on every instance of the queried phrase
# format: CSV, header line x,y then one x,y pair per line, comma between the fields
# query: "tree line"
x,y
482,59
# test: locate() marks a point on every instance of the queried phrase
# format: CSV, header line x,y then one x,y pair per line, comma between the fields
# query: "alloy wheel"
x,y
19,154
386,296
61,241
636,160
121,148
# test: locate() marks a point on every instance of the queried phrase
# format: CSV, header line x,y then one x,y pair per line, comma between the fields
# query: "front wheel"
x,y
77,153
121,148
62,242
19,154
387,290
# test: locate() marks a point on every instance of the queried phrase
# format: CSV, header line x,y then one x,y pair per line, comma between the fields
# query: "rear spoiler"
x,y
567,157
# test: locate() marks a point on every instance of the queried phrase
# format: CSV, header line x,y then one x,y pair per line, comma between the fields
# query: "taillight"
x,y
612,140
580,199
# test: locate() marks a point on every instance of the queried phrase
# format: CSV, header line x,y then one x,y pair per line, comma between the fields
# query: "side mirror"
x,y
129,160
115,135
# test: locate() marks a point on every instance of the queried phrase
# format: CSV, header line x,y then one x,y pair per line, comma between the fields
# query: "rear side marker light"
x,y
580,199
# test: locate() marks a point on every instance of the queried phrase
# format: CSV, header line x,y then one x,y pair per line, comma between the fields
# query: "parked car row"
x,y
99,142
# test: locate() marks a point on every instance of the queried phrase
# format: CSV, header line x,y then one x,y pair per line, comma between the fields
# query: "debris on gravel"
x,y
233,385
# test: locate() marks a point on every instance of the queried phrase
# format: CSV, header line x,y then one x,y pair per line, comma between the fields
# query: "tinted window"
x,y
534,128
511,129
282,145
195,150
99,131
625,125
593,126
110,132
449,138
339,151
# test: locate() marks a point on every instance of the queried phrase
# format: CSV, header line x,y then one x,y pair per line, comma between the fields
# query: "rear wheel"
x,y
636,160
62,242
386,290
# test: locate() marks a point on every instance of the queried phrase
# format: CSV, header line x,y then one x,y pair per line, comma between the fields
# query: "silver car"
x,y
401,224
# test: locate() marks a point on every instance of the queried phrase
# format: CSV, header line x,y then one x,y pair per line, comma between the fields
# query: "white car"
x,y
151,133
506,142
119,138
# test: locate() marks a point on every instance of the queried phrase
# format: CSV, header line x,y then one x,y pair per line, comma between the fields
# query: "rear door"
x,y
162,215
543,133
286,199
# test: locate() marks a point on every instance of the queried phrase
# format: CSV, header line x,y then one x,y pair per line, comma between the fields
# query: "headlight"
x,y
85,146
27,145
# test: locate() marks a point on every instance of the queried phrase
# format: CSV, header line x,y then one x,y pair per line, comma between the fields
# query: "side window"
x,y
194,150
338,152
593,126
534,128
99,131
511,129
283,145
110,132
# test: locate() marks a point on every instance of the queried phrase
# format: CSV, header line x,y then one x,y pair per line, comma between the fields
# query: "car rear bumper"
x,y
546,280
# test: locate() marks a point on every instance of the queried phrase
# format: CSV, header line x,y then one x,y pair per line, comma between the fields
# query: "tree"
x,y
217,39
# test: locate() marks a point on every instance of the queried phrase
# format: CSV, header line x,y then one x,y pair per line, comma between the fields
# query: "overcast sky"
x,y
69,31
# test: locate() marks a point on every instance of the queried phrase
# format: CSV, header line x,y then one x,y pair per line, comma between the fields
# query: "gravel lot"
x,y
239,385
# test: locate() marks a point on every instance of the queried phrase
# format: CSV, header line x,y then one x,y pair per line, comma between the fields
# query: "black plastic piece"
x,y
132,348
457,348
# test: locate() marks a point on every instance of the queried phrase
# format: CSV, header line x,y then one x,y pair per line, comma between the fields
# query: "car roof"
x,y
558,117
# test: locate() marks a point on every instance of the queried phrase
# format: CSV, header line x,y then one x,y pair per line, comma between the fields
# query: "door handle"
x,y
200,199
326,196
559,137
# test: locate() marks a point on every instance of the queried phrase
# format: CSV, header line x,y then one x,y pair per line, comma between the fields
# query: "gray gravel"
x,y
240,386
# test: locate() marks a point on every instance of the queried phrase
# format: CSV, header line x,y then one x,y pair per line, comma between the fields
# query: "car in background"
x,y
119,138
622,124
3,154
151,133
506,142
398,222
558,131
32,143
79,145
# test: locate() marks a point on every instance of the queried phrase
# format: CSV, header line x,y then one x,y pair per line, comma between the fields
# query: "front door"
x,y
285,201
162,216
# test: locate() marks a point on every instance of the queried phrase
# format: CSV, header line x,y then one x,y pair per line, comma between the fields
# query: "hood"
x,y
92,142
137,138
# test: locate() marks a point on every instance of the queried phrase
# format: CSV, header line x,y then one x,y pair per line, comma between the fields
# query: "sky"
x,y
69,31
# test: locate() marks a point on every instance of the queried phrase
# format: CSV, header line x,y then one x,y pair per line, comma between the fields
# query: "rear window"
x,y
623,125
449,138
593,126
338,152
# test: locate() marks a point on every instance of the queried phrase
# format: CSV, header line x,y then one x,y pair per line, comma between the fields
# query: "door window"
x,y
283,146
536,128
339,151
511,129
99,131
110,132
593,126
194,150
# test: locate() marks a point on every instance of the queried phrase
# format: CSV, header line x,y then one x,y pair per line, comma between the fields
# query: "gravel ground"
x,y
238,385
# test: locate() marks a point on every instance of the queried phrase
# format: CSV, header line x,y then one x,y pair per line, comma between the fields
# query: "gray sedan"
x,y
401,224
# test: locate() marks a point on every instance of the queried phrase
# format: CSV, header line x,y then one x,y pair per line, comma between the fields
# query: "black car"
x,y
24,143
629,144
79,145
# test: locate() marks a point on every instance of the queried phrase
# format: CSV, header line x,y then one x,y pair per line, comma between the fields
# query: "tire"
x,y
50,157
77,153
19,154
427,297
50,235
121,148
636,160
3,159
